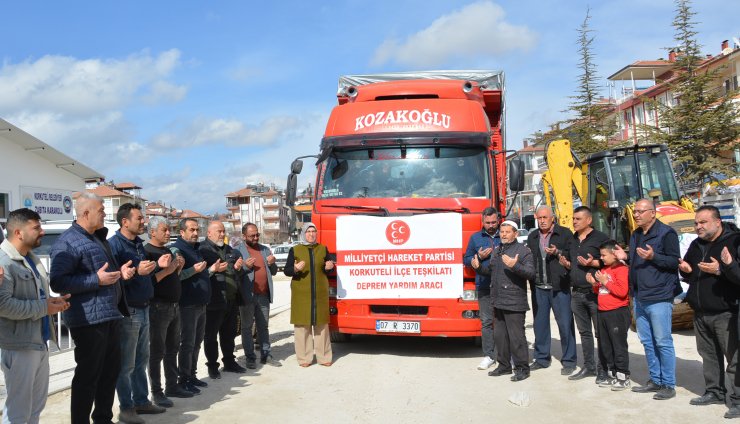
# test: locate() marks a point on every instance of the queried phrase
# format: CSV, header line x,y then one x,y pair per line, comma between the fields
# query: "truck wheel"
x,y
337,337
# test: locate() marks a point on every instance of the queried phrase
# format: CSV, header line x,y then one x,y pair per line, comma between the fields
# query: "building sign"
x,y
52,204
414,257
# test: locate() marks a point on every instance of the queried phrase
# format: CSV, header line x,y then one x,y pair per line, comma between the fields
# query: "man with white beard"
x,y
226,274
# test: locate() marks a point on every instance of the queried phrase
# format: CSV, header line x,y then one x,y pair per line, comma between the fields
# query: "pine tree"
x,y
703,124
590,129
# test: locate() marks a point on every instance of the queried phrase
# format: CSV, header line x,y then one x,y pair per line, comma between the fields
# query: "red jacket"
x,y
615,293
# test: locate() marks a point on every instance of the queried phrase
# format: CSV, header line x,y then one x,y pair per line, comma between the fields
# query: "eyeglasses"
x,y
640,212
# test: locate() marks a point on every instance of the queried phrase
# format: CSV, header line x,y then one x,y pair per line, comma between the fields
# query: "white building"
x,y
37,176
263,206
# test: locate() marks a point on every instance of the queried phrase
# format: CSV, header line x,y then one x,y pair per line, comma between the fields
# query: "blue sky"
x,y
192,100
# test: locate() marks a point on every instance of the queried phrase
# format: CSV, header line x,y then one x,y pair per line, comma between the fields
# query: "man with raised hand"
x,y
83,265
257,295
480,246
653,259
26,308
550,290
713,295
226,273
132,385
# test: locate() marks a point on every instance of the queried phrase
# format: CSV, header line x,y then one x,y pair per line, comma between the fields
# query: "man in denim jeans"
x,y
132,385
480,246
653,258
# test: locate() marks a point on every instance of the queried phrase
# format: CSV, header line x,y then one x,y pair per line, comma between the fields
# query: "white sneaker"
x,y
486,363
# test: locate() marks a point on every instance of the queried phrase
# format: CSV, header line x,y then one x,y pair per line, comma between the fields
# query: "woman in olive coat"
x,y
308,264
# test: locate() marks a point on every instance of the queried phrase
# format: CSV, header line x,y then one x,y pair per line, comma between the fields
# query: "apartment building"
x,y
639,86
263,205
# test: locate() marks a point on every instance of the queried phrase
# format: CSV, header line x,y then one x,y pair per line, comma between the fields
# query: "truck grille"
x,y
399,310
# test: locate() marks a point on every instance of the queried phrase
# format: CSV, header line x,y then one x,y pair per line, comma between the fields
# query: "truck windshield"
x,y
405,172
655,173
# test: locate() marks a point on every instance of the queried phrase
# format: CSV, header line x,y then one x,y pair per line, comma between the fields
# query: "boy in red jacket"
x,y
611,285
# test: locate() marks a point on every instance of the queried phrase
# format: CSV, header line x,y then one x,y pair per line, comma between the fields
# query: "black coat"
x,y
509,285
557,275
711,293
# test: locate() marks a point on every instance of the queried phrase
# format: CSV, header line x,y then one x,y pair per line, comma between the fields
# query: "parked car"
x,y
523,234
281,255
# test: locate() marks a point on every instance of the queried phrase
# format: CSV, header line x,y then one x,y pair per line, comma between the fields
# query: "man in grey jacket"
x,y
510,267
259,263
25,323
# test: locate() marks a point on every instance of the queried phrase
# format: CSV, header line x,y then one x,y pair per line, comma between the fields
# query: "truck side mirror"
x,y
296,167
292,187
516,175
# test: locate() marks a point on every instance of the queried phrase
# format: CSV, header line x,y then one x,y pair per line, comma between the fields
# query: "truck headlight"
x,y
469,295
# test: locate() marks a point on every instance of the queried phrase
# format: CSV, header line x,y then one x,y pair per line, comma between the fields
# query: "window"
x,y
116,201
412,173
4,206
539,162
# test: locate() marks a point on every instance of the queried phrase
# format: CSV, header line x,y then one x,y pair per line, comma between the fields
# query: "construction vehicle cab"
x,y
610,182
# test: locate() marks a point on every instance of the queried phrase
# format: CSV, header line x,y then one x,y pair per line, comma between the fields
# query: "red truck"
x,y
407,164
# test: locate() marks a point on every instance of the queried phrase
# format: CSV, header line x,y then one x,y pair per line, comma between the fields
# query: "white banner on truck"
x,y
414,257
52,204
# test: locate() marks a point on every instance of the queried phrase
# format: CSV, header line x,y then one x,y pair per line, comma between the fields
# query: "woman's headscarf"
x,y
306,226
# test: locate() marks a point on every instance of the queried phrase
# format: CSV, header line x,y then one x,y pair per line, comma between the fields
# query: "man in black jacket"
x,y
510,266
583,258
222,311
551,290
710,267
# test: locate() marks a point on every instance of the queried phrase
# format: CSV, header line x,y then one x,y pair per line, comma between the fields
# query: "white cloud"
x,y
165,92
80,87
204,190
230,132
476,30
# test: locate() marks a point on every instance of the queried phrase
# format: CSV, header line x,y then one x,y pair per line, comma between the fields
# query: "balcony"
x,y
271,227
271,215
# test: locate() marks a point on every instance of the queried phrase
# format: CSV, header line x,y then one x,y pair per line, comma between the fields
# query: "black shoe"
x,y
665,393
499,371
191,388
733,412
160,399
197,383
520,374
567,370
707,399
178,391
149,408
214,374
583,373
234,367
534,366
252,363
603,379
269,360
649,387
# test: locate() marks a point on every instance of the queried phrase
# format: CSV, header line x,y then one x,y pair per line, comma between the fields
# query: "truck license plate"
x,y
383,326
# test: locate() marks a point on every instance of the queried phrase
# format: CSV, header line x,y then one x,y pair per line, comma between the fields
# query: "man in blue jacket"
x,y
132,385
480,246
83,265
653,258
